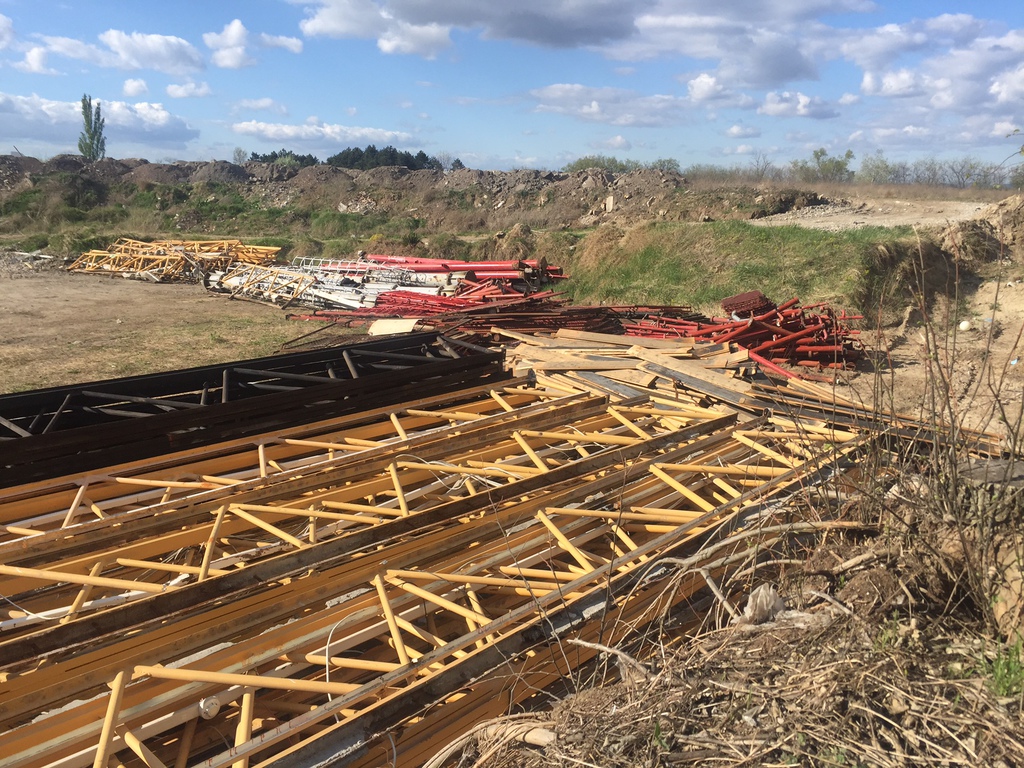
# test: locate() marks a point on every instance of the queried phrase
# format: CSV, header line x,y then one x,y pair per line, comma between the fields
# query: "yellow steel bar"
x,y
128,562
564,543
733,470
578,437
73,509
501,401
204,568
243,730
677,516
485,581
684,515
398,426
103,750
625,538
83,593
537,573
678,486
299,685
134,743
344,662
261,453
678,411
321,444
159,483
428,637
363,443
441,468
437,600
726,487
273,530
627,423
504,468
402,503
389,617
185,743
76,578
537,460
450,415
476,605
751,443
350,506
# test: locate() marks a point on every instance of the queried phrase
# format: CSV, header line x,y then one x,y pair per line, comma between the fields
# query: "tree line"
x,y
822,167
357,158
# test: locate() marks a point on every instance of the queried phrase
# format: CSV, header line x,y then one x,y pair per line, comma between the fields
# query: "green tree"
x,y
666,164
1016,178
602,162
824,167
92,144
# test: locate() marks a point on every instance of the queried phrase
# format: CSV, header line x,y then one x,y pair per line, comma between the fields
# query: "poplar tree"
x,y
92,144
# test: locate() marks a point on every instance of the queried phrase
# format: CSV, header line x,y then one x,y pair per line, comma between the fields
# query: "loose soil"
x,y
62,328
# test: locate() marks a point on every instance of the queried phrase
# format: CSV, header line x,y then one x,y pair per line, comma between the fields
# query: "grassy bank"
x,y
700,264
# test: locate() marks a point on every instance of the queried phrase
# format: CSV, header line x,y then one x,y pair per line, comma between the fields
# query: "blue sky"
x,y
520,83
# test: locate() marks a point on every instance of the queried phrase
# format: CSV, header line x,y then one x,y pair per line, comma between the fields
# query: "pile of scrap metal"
x,y
82,426
378,285
364,587
171,260
813,336
714,374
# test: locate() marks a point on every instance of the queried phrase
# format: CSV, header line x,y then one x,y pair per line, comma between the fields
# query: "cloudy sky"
x,y
518,83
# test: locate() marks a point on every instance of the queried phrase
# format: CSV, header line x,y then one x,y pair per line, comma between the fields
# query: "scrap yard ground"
x,y
642,561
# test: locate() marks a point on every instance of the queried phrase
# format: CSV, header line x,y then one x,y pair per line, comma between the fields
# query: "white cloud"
x,y
292,44
1004,128
315,132
706,87
343,18
6,31
900,83
134,86
35,62
849,99
743,132
423,39
788,104
618,143
163,53
266,104
612,106
368,19
37,118
188,90
555,23
228,46
1009,86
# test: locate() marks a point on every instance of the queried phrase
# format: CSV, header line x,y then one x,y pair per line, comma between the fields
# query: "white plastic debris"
x,y
764,604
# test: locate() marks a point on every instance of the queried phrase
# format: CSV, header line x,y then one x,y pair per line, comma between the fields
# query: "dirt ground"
x,y
877,212
965,358
60,328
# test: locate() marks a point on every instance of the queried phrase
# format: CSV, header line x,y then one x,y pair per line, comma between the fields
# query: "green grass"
x,y
700,264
